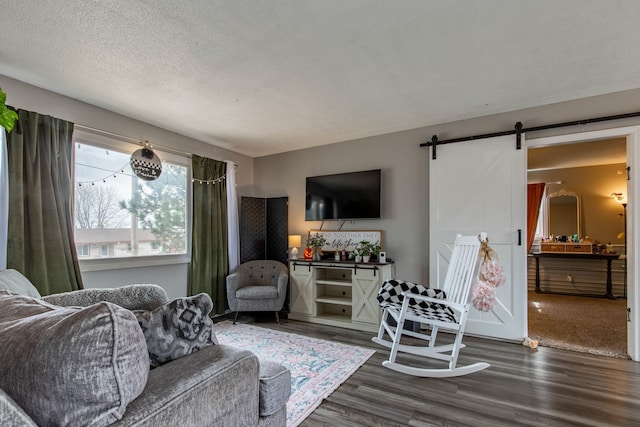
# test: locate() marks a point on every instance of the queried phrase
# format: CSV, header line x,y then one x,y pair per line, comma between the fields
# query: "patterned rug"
x,y
317,367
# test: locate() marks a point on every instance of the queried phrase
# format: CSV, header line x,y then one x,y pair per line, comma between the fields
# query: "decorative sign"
x,y
349,239
146,164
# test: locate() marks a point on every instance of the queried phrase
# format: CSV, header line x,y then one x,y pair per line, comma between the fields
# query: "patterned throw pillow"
x,y
177,328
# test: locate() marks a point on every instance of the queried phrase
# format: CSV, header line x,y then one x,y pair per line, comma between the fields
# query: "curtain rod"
x,y
135,140
434,139
128,138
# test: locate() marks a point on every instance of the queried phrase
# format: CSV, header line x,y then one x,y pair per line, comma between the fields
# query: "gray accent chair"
x,y
258,286
219,385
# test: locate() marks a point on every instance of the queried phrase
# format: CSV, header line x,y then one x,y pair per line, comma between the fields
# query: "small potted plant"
x,y
376,251
356,254
316,242
365,249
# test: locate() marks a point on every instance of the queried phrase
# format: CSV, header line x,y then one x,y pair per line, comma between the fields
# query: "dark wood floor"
x,y
542,387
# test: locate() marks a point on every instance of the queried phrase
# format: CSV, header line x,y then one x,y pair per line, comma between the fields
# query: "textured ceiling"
x,y
262,77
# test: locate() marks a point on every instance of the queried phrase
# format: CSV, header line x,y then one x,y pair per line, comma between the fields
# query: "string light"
x,y
112,174
209,181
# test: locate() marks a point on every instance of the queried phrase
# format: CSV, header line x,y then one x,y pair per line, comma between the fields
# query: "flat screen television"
x,y
353,195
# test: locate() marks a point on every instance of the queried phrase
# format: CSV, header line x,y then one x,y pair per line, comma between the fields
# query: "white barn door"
x,y
479,186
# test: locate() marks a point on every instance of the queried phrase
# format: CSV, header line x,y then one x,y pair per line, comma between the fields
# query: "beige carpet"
x,y
584,324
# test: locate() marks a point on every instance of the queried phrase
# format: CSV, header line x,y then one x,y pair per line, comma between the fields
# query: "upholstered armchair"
x,y
258,286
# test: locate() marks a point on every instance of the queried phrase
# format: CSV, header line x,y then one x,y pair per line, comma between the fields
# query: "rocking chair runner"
x,y
445,309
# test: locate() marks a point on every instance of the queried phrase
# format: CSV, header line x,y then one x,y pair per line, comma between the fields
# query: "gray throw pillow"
x,y
177,328
70,366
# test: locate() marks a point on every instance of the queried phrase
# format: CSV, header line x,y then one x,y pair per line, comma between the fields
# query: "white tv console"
x,y
337,293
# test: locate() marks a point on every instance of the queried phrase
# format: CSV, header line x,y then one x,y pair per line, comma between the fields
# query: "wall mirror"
x,y
563,214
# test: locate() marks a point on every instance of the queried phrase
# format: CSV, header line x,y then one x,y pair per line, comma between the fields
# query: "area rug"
x,y
317,367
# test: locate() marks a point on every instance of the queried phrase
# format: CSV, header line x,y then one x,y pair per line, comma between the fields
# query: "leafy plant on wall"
x,y
7,117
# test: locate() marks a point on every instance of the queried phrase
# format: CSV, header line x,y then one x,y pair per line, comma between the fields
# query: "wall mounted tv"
x,y
353,195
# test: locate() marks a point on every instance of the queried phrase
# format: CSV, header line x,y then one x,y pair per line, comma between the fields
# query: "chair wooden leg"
x,y
277,318
236,317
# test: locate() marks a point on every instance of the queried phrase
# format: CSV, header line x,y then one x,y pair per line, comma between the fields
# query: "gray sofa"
x,y
216,386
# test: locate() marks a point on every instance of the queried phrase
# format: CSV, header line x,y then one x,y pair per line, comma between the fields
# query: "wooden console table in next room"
x,y
605,257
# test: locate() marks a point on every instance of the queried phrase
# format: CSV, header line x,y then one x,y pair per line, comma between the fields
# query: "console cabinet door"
x,y
365,286
302,288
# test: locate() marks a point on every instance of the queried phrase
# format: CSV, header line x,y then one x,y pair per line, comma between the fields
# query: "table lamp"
x,y
295,240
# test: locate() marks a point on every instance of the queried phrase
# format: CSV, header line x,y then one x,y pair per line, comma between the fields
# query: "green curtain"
x,y
209,248
41,188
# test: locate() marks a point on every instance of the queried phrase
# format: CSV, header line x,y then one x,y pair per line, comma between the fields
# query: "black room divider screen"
x,y
264,228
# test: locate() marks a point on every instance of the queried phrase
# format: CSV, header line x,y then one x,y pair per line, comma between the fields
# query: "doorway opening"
x,y
566,303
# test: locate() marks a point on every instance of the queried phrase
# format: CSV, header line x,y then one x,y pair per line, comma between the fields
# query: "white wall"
x,y
172,277
405,169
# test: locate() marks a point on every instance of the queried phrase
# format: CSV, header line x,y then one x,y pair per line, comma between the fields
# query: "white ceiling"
x,y
267,76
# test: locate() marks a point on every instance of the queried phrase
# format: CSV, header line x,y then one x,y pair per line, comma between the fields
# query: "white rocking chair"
x,y
445,309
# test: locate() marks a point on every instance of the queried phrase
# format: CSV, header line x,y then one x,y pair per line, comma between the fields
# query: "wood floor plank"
x,y
540,387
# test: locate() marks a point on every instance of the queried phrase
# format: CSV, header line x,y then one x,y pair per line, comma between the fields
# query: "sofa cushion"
x,y
177,328
131,297
14,281
70,366
275,387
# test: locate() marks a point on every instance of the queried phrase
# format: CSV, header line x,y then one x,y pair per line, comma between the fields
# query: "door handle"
x,y
519,237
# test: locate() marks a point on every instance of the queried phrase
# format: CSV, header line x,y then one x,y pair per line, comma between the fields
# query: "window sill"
x,y
104,264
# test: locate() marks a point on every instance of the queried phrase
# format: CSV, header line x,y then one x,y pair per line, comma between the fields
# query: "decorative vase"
x,y
308,253
366,258
316,254
358,258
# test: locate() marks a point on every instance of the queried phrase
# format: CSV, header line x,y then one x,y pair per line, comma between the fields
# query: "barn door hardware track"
x,y
518,130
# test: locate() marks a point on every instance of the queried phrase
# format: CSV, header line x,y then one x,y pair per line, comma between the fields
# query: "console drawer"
x,y
552,247
580,248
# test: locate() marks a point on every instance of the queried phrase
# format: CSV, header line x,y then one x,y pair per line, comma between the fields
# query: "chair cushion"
x,y
427,310
70,366
275,387
261,272
177,328
257,292
392,289
390,296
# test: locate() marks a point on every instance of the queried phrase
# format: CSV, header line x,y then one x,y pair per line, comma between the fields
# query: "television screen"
x,y
354,195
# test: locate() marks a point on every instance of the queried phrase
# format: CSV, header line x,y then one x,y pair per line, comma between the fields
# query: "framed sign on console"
x,y
347,240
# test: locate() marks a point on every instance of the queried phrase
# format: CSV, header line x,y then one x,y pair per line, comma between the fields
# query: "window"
x,y
117,214
83,250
